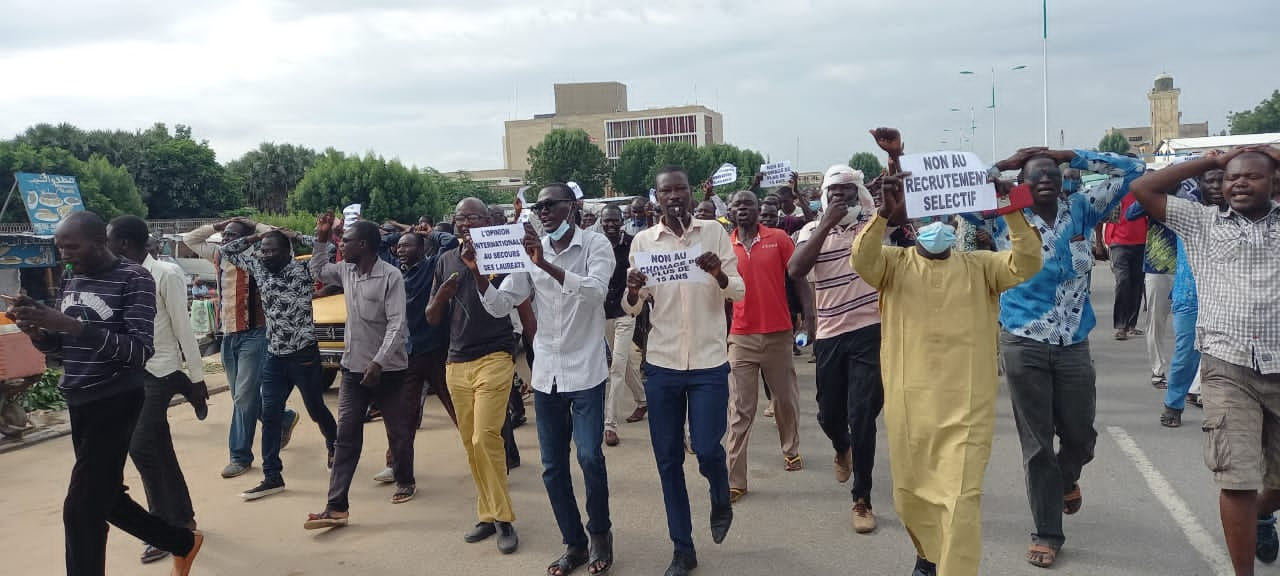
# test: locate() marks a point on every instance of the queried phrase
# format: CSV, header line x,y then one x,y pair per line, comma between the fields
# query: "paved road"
x,y
1150,506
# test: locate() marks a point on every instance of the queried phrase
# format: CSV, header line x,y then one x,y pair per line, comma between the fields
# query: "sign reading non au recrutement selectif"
x,y
665,267
776,174
944,183
500,249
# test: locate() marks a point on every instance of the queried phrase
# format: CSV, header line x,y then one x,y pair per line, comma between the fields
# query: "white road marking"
x,y
1205,544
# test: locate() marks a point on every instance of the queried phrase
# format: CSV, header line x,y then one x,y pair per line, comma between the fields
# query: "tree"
x,y
182,179
385,189
1263,119
685,155
1113,142
267,175
569,155
106,190
868,163
631,171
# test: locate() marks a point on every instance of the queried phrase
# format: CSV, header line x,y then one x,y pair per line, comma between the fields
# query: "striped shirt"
x,y
118,308
843,300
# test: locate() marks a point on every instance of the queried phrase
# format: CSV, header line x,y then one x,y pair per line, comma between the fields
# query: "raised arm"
x,y
1149,190
237,252
869,257
1121,171
321,269
1012,267
198,241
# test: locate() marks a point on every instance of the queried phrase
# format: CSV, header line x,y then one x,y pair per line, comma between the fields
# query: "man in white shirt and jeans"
x,y
152,445
568,285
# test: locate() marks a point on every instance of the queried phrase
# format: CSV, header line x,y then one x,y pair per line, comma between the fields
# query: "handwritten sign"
x,y
577,190
726,174
776,174
524,205
653,196
667,267
944,183
500,249
49,199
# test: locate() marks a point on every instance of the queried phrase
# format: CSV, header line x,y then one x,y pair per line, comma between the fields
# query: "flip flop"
x,y
794,463
736,494
324,519
568,562
404,494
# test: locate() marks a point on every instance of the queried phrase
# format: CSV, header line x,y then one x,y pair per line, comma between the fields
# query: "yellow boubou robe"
x,y
938,358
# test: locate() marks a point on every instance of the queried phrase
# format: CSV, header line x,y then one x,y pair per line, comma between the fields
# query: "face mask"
x,y
815,205
559,233
936,238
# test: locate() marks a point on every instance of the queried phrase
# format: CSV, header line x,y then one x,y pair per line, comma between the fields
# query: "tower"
x,y
1165,117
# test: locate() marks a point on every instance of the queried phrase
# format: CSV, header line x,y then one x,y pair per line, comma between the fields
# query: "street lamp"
x,y
992,107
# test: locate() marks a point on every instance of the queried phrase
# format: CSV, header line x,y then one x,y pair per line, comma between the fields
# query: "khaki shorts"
x,y
1241,424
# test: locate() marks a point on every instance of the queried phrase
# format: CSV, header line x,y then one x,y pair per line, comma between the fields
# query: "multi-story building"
x,y
1166,120
600,109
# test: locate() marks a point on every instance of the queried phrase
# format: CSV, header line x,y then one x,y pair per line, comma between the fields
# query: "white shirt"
x,y
568,352
174,339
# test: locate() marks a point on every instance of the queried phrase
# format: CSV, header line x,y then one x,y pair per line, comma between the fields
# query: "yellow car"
x,y
329,313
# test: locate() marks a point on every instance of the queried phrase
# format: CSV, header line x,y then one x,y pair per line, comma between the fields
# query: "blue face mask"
x,y
559,233
815,205
936,238
1070,186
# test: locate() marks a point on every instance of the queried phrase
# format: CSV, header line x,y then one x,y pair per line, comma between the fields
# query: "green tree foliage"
x,y
631,171
1114,142
385,189
569,155
868,163
1265,118
107,190
448,191
265,176
682,154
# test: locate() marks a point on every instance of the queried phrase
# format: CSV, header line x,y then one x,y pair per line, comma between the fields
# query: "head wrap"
x,y
842,174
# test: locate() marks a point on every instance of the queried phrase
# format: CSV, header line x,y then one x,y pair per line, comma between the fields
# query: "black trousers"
x,y
1126,264
850,397
353,402
101,432
152,452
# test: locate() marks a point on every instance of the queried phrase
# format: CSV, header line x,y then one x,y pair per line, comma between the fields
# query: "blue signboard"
x,y
26,251
49,199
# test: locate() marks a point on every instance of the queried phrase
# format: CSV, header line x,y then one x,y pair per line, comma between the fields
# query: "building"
x,y
600,108
1166,120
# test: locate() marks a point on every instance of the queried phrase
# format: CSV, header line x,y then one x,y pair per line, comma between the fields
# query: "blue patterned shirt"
x,y
1053,306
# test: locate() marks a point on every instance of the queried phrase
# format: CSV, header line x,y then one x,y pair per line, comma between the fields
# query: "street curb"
x,y
59,430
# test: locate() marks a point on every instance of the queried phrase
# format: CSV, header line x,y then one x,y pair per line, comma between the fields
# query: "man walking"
x,y
479,374
103,328
939,308
152,445
569,285
687,367
1045,325
1235,257
293,357
619,328
1126,239
760,340
244,339
373,363
847,335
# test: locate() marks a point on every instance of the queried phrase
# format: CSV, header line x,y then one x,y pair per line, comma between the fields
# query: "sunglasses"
x,y
547,205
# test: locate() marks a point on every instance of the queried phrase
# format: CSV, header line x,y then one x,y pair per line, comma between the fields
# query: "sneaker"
x,y
1268,545
152,554
924,568
235,469
265,488
386,476
292,419
482,531
508,540
864,520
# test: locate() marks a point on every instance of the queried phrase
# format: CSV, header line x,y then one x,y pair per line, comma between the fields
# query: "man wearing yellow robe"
x,y
939,311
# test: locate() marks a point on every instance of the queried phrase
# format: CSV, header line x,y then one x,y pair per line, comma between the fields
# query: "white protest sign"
x,y
726,174
653,196
666,267
776,174
577,190
500,249
944,183
350,214
524,205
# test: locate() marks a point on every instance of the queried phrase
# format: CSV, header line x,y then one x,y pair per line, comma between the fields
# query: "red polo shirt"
x,y
1126,232
763,267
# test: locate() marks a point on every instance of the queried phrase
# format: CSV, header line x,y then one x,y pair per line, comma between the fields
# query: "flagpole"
x,y
993,115
1044,68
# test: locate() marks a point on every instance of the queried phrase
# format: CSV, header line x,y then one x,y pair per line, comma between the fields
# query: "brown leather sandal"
x,y
1072,501
1041,555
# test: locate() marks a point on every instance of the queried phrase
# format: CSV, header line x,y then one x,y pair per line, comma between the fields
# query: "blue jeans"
x,y
579,415
703,397
242,356
279,376
1186,361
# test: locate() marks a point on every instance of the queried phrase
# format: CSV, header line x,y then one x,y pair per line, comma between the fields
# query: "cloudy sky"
x,y
431,81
